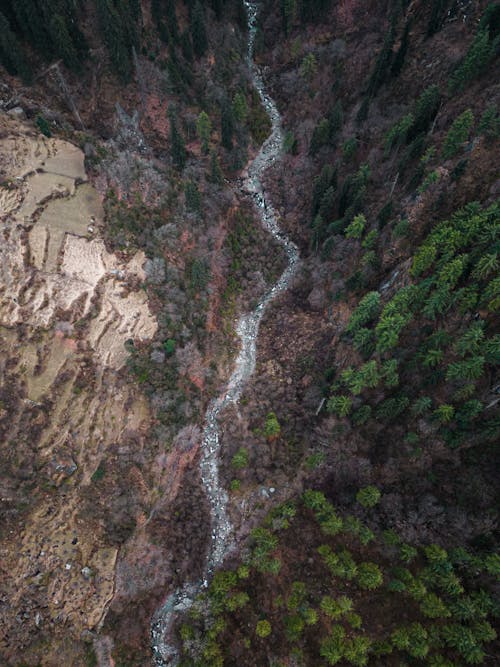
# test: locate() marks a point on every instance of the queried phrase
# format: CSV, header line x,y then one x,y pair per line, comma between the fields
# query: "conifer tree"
x,y
437,16
11,53
115,37
172,25
129,14
177,146
227,125
63,43
288,13
382,64
33,26
187,47
216,176
198,30
400,56
203,129
217,6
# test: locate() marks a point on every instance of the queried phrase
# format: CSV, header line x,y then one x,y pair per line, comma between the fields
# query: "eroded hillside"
x,y
360,460
68,308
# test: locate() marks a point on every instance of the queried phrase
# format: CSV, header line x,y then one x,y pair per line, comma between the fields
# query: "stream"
x,y
164,653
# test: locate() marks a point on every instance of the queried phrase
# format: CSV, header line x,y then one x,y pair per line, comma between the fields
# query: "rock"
x,y
317,298
157,356
17,112
89,150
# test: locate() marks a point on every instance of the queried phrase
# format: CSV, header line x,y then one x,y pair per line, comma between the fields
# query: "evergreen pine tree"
x,y
288,13
129,14
156,11
33,26
314,10
216,176
203,129
226,125
177,146
198,30
172,25
115,37
399,59
382,64
437,16
217,6
63,43
187,47
11,54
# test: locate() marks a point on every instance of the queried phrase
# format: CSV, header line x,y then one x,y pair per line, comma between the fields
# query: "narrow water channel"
x,y
165,653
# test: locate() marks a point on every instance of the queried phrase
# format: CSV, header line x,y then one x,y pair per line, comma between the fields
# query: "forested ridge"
x,y
361,461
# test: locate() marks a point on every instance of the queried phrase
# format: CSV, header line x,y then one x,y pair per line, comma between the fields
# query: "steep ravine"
x,y
247,329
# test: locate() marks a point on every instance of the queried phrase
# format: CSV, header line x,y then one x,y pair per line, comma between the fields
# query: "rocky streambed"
x,y
164,651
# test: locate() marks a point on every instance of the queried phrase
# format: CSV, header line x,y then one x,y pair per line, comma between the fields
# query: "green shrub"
x,y
356,650
335,609
263,629
99,472
458,133
320,136
398,133
340,564
430,179
297,596
401,229
413,639
432,606
263,543
469,369
355,228
445,413
369,576
489,125
364,341
235,485
387,331
349,148
463,640
339,405
169,346
369,496
480,52
294,626
237,601
424,111
332,647
290,143
368,308
407,553
240,459
361,415
370,240
392,407
354,620
470,342
43,126
272,427
389,372
424,258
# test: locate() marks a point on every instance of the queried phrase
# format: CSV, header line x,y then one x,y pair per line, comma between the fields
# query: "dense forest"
x,y
361,461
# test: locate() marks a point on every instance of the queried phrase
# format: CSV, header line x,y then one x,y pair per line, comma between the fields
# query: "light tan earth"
x,y
60,264
67,308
